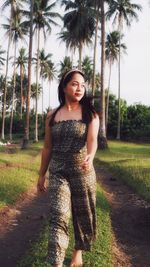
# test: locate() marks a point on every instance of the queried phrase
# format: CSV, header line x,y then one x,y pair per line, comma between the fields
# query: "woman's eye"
x,y
74,84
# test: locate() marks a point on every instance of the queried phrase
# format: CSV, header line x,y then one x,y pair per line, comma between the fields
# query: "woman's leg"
x,y
83,196
59,201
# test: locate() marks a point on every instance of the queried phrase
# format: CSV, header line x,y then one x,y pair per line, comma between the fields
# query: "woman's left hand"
x,y
88,162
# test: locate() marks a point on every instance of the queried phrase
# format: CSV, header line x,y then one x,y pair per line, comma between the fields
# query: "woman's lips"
x,y
78,94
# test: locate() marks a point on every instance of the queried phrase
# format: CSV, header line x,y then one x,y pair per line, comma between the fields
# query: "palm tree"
x,y
112,55
16,32
2,80
2,59
27,122
49,73
14,6
88,70
65,66
42,20
2,85
97,18
102,132
34,92
44,67
79,22
21,62
122,11
70,40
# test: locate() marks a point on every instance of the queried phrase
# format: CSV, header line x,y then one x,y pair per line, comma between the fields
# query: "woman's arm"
x,y
46,155
92,135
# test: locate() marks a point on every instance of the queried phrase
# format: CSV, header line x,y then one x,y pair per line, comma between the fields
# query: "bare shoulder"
x,y
95,119
50,113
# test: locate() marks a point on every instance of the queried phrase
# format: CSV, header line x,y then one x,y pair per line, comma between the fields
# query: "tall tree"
x,y
65,65
97,19
44,69
49,74
2,59
27,123
14,6
112,55
21,63
79,22
122,11
42,20
16,32
88,70
102,133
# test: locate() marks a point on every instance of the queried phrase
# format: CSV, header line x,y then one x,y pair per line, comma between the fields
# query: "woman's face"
x,y
75,89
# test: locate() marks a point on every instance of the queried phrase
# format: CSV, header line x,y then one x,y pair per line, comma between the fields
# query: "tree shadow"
x,y
18,232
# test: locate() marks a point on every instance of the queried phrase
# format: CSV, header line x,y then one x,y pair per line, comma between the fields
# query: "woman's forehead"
x,y
78,77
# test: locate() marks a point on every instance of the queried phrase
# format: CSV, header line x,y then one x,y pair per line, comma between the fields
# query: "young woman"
x,y
69,149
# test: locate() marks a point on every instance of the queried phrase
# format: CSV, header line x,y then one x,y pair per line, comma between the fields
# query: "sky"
x,y
135,65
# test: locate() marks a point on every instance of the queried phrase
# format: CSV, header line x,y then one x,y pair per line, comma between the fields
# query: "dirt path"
x,y
130,217
20,227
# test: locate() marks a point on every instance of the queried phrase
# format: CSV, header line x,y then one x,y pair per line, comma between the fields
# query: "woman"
x,y
69,149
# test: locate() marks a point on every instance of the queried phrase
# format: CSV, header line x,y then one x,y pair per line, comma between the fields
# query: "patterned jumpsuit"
x,y
71,188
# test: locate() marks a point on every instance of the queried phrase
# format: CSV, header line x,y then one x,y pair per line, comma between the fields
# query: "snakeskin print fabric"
x,y
71,189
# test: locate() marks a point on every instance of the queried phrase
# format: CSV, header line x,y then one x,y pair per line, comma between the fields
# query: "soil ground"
x,y
21,224
130,217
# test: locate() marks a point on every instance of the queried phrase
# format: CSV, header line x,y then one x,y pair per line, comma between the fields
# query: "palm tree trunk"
x,y
95,50
42,99
119,67
21,95
107,101
49,94
37,86
80,56
5,90
26,133
102,133
13,95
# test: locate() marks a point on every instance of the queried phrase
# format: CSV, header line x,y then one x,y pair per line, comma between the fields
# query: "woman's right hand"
x,y
41,184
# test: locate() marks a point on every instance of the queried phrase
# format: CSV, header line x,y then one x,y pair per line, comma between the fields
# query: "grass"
x,y
129,162
18,173
101,253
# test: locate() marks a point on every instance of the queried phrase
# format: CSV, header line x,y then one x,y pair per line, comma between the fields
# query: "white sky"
x,y
135,66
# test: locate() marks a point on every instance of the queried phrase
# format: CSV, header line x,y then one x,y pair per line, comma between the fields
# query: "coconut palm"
x,y
112,55
34,93
27,122
79,22
69,39
16,32
2,59
21,63
65,65
88,70
102,133
2,85
97,19
45,67
42,20
49,74
123,11
14,6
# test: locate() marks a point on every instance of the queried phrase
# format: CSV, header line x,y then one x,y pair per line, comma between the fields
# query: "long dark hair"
x,y
88,111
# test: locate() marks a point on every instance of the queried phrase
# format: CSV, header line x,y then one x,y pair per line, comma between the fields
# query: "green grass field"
x,y
126,161
129,162
19,172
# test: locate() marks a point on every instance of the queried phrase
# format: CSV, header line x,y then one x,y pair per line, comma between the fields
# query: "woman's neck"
x,y
72,106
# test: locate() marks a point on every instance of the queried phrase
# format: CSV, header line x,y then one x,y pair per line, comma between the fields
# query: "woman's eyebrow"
x,y
77,81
